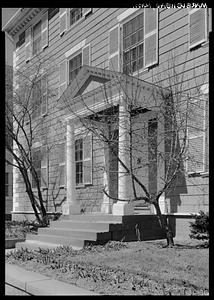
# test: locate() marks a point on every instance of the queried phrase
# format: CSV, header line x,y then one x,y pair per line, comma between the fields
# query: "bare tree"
x,y
27,132
151,129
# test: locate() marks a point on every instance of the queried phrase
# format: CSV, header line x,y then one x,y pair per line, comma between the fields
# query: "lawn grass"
x,y
134,268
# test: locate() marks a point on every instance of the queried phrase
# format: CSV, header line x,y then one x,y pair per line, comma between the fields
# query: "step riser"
x,y
102,227
36,246
55,239
94,218
98,227
74,234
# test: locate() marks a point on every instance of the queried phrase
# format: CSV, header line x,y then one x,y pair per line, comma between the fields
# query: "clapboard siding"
x,y
173,42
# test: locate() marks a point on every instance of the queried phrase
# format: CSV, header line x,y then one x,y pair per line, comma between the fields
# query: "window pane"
x,y
134,54
140,35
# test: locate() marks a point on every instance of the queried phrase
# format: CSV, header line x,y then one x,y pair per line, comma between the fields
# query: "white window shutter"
x,y
196,136
196,154
62,173
44,90
210,19
87,159
86,55
114,48
44,166
62,77
150,37
197,26
28,46
62,20
45,30
86,11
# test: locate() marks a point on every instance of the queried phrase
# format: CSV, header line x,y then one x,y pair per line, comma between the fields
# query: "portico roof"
x,y
94,86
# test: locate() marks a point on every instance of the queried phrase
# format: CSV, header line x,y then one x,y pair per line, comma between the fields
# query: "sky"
x,y
7,13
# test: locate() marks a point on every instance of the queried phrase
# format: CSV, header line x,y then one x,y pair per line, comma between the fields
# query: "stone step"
x,y
95,217
55,239
91,235
85,225
35,245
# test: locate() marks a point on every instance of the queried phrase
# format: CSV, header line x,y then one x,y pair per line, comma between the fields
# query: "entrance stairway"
x,y
80,230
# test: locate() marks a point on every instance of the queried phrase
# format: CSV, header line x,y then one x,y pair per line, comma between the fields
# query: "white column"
x,y
71,206
123,207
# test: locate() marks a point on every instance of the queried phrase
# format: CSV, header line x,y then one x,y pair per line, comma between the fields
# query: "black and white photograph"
x,y
107,150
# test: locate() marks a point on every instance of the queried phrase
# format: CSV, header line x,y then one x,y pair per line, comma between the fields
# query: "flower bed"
x,y
136,268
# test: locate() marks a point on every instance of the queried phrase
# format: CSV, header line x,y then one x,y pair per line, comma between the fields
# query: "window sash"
x,y
75,64
75,15
79,160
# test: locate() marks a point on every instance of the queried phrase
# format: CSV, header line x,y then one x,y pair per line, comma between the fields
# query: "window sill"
x,y
82,186
199,174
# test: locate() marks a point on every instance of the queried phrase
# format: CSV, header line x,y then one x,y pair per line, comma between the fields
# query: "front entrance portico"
x,y
93,101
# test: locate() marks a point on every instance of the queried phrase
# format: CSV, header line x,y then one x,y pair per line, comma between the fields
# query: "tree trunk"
x,y
164,226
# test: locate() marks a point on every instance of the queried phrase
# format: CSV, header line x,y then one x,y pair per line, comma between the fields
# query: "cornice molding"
x,y
19,20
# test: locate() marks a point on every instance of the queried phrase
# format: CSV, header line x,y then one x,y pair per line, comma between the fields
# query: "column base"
x,y
71,209
122,208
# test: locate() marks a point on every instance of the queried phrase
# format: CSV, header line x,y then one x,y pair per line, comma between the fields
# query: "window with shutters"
x,y
198,27
75,64
62,170
78,13
196,137
36,37
140,41
83,160
39,162
39,98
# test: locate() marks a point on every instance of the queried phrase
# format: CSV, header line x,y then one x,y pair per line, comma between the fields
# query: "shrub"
x,y
200,227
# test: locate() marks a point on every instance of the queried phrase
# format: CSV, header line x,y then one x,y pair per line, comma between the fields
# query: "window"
x,y
70,16
36,37
138,43
52,12
75,15
75,64
39,98
37,32
79,160
152,154
6,184
133,38
39,162
83,160
21,40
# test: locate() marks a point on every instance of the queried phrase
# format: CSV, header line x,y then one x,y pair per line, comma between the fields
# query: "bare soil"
x,y
139,268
